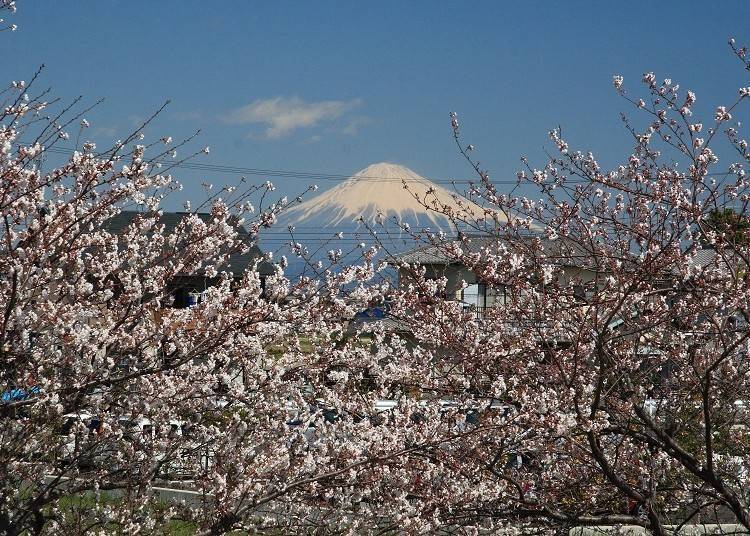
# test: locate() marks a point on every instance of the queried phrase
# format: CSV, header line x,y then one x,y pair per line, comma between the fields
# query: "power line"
x,y
332,231
325,176
299,175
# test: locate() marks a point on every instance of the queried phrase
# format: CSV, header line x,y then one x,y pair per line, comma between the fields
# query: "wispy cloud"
x,y
283,116
353,124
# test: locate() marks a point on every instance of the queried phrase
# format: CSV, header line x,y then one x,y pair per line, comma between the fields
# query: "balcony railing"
x,y
482,313
479,310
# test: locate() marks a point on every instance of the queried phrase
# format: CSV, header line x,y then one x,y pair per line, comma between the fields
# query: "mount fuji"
x,y
382,192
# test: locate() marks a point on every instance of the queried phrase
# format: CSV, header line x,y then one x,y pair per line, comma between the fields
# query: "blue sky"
x,y
334,86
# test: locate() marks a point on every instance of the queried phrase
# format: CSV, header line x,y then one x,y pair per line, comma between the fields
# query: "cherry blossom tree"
x,y
607,386
109,390
618,346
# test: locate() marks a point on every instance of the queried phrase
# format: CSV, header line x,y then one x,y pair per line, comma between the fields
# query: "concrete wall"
x,y
453,272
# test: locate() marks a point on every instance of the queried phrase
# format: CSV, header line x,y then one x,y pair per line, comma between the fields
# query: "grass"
x,y
307,345
77,517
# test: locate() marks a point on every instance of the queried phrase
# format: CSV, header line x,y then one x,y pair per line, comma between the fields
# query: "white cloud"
x,y
352,126
283,115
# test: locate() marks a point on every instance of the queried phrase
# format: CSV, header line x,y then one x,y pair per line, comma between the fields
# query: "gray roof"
x,y
564,250
709,257
387,324
238,262
423,255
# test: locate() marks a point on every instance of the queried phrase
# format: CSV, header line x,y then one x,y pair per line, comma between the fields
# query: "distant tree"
x,y
728,227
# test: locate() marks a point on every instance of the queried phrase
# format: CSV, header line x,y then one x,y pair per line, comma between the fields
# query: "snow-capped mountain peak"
x,y
379,190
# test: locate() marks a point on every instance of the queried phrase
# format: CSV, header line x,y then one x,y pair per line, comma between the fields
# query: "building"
x,y
574,263
186,288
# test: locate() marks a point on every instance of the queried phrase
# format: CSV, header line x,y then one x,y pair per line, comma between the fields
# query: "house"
x,y
577,267
187,288
574,262
184,290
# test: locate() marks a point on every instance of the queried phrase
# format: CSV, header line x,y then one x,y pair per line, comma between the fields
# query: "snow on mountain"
x,y
379,190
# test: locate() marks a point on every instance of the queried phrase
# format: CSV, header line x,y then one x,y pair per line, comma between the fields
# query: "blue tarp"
x,y
14,395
